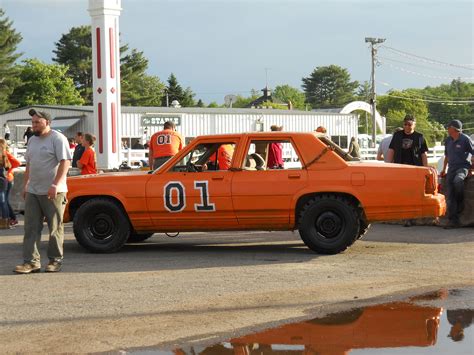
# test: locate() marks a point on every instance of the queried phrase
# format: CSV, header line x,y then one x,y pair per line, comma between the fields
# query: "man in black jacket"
x,y
408,147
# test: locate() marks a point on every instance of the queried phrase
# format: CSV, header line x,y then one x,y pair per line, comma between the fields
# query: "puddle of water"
x,y
392,328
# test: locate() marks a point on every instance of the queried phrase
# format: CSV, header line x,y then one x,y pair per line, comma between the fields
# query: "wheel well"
x,y
303,200
79,201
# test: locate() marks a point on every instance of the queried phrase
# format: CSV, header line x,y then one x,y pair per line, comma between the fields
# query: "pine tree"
x,y
9,39
176,92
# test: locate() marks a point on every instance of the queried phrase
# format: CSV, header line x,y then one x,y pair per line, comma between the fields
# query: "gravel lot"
x,y
201,286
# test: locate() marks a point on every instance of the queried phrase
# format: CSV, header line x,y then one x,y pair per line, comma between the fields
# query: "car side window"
x,y
207,157
271,155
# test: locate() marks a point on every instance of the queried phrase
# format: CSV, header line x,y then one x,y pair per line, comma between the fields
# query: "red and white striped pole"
x,y
106,80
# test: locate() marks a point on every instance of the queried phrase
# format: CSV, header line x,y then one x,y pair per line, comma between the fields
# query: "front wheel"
x,y
101,225
329,224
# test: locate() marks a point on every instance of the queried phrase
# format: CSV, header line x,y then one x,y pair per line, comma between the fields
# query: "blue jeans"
x,y
3,204
11,213
455,190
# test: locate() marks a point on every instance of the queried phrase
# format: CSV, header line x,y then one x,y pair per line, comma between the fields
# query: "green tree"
x,y
242,101
329,86
443,112
396,104
286,93
213,104
74,49
363,92
138,88
9,39
44,84
176,92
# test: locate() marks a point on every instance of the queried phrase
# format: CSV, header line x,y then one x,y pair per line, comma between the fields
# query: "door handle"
x,y
294,176
219,177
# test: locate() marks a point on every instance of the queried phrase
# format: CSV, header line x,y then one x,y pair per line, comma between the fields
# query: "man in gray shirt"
x,y
47,163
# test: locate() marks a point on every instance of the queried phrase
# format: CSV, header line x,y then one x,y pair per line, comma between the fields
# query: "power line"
x,y
427,75
417,64
428,60
446,102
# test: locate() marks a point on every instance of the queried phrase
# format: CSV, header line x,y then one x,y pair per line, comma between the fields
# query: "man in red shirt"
x,y
163,145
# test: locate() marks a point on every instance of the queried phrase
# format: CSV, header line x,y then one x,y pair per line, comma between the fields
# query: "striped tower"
x,y
106,80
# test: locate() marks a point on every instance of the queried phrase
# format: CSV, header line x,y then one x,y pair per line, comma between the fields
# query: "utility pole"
x,y
373,100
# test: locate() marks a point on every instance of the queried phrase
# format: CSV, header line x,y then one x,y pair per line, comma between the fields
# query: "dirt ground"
x,y
174,291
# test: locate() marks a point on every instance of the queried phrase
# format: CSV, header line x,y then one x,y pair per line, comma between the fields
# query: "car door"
x,y
188,197
263,197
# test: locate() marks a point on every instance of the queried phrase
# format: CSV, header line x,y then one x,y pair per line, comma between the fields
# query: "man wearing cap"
x,y
408,147
47,162
459,156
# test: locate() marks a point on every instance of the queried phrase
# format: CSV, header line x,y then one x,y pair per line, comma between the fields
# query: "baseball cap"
x,y
456,124
40,114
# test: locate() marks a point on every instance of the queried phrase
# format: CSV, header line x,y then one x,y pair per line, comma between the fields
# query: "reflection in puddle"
x,y
392,328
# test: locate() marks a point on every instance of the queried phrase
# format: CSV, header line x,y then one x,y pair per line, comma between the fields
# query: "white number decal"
x,y
174,197
180,204
205,205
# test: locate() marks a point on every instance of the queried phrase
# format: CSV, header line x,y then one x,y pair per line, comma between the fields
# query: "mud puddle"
x,y
434,323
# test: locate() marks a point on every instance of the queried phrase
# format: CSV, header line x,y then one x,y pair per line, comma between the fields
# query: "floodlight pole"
x,y
373,42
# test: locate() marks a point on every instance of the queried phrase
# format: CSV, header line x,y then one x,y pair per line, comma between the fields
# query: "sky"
x,y
220,47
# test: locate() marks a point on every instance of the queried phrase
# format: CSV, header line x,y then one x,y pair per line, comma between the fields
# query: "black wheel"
x,y
364,228
101,226
137,238
329,224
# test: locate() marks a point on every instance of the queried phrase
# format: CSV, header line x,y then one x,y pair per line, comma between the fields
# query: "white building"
x,y
141,122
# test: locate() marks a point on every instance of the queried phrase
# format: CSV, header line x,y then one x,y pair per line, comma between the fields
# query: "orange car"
x,y
330,197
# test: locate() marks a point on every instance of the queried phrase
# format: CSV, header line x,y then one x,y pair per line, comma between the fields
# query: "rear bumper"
x,y
430,206
434,206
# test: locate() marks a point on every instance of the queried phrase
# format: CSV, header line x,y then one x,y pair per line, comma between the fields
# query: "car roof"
x,y
261,134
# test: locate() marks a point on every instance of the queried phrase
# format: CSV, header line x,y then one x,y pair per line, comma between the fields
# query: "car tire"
x,y
137,238
101,225
329,224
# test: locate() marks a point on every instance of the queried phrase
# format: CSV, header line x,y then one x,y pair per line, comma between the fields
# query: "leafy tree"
x,y
397,104
44,84
329,86
176,92
286,93
242,101
443,112
364,92
138,88
74,49
9,39
213,104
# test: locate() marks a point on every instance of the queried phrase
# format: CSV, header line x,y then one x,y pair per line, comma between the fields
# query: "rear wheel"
x,y
101,225
329,224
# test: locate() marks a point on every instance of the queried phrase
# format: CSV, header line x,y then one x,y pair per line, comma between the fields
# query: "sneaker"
x,y
13,222
53,266
27,268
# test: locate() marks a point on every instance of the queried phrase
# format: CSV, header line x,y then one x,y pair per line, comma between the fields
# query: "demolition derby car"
x,y
320,190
